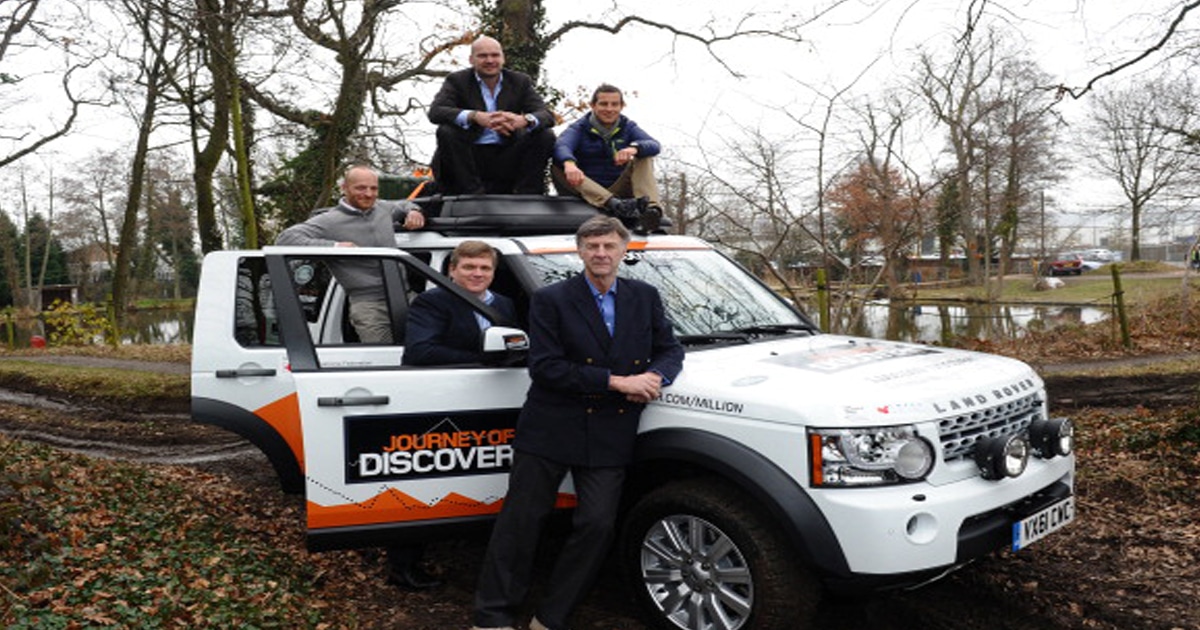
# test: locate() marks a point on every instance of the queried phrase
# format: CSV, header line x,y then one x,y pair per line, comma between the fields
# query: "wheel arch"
x,y
261,434
666,455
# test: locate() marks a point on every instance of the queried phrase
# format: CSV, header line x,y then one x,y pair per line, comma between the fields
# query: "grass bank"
x,y
1094,287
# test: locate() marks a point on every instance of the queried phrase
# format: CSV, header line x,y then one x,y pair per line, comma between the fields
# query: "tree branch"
x,y
708,41
62,130
20,18
1079,92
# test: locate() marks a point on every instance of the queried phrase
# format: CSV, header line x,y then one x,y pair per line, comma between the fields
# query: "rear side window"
x,y
255,322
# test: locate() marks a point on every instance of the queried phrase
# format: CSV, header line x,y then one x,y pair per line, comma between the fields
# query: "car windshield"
x,y
705,293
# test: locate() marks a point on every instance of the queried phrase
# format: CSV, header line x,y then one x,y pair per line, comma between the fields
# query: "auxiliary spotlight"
x,y
1000,457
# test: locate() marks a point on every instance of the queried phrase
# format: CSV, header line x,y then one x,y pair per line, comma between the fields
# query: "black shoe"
x,y
650,219
412,579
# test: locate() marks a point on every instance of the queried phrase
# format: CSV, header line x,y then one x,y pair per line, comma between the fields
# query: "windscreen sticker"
x,y
922,370
848,356
395,447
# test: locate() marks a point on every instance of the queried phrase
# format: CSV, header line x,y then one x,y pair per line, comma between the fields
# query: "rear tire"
x,y
701,556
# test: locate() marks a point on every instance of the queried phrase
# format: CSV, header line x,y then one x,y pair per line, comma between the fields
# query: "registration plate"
x,y
1036,527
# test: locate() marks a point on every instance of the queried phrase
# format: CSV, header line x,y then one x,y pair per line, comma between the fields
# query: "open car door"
x,y
390,450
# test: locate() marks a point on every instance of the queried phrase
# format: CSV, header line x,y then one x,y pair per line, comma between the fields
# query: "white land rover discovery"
x,y
781,462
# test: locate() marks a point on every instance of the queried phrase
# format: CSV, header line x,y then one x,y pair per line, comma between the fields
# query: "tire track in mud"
x,y
128,445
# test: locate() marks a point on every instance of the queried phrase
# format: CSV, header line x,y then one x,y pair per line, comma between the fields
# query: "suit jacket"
x,y
460,91
570,416
441,328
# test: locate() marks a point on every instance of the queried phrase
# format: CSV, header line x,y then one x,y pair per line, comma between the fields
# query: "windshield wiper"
x,y
776,329
713,337
747,334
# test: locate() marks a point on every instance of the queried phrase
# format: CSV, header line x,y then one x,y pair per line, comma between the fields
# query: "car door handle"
x,y
350,401
239,372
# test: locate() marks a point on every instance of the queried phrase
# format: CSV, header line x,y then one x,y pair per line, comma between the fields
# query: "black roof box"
x,y
505,215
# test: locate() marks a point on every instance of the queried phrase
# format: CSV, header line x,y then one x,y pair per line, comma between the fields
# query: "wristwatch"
x,y
533,121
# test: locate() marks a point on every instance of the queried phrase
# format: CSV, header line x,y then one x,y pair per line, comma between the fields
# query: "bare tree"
x,y
753,211
1135,148
954,92
1019,152
880,203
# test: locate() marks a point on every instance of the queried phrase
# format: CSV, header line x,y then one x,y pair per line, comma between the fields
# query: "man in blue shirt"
x,y
494,130
601,349
608,160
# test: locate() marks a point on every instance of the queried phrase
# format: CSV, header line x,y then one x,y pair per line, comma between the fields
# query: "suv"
x,y
782,462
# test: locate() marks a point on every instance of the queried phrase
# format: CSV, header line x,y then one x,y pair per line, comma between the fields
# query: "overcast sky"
x,y
680,94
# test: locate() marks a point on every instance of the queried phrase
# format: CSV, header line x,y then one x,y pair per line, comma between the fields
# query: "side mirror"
x,y
504,346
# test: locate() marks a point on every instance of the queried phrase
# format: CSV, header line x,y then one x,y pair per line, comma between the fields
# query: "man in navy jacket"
x,y
441,328
600,349
607,159
494,130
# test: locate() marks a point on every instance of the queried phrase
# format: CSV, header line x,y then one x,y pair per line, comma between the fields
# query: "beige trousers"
x,y
637,180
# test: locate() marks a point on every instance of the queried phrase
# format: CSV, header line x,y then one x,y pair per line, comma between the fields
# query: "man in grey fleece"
x,y
359,220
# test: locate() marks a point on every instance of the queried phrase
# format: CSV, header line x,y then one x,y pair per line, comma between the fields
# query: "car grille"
x,y
959,433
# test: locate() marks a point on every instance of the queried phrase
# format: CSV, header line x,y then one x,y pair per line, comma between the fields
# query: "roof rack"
x,y
505,215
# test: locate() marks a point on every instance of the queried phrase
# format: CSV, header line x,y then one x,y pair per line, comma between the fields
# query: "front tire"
x,y
702,557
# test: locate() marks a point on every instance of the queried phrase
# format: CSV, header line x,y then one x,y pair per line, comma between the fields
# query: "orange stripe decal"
x,y
393,506
284,416
634,246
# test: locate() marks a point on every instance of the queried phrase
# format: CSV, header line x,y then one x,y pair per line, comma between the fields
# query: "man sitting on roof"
x,y
493,132
607,159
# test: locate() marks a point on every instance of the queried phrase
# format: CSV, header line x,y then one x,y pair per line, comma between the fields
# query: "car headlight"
x,y
876,456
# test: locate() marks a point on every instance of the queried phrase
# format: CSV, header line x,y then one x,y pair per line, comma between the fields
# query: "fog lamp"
x,y
1004,456
1053,437
914,459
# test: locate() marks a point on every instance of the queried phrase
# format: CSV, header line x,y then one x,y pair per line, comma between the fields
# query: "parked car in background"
x,y
1062,264
1101,255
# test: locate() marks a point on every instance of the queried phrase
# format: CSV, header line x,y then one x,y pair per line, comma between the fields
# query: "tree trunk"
x,y
217,28
128,238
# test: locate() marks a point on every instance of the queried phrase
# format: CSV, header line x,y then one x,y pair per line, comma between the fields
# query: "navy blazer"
x,y
442,329
460,91
570,416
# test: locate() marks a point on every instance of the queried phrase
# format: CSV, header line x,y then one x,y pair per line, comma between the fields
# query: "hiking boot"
x,y
650,219
622,208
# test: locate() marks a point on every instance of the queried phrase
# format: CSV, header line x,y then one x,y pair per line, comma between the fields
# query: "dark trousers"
x,y
507,569
462,167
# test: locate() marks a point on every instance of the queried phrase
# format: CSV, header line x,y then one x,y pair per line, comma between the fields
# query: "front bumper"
x,y
916,530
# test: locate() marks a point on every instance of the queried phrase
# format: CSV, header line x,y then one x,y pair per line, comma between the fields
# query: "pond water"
x,y
879,319
141,327
941,322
